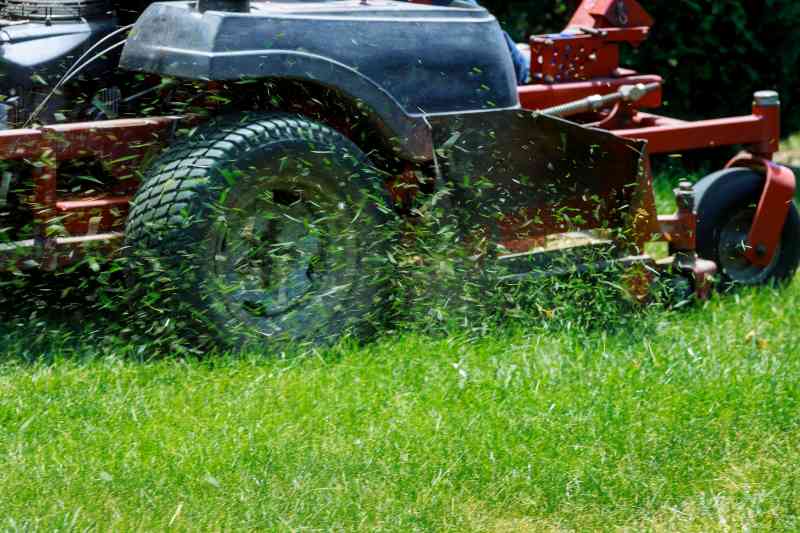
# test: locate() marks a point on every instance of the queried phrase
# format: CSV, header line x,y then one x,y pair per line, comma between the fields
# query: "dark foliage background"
x,y
713,54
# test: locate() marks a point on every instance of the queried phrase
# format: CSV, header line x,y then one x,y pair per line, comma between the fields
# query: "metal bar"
x,y
87,239
106,136
72,139
96,203
748,129
63,251
20,143
110,125
45,193
596,102
53,253
651,119
542,95
767,105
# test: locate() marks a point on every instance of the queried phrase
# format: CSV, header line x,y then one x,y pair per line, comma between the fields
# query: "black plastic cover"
x,y
403,60
45,50
35,55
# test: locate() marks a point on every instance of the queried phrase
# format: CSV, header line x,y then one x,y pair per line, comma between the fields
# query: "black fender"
x,y
399,62
408,134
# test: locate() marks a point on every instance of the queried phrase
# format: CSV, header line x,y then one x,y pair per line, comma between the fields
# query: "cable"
x,y
94,46
66,80
89,62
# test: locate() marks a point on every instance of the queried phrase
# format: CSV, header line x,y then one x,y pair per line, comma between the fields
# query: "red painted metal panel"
x,y
567,57
669,136
613,13
20,143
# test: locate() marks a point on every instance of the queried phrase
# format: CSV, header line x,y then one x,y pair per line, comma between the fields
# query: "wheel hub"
x,y
272,259
733,246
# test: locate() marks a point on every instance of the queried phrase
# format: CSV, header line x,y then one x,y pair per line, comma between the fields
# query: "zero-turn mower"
x,y
250,155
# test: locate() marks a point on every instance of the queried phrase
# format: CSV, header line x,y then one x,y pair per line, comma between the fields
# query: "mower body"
x,y
422,73
435,92
425,59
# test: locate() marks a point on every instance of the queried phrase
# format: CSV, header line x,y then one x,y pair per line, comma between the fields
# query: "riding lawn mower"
x,y
246,154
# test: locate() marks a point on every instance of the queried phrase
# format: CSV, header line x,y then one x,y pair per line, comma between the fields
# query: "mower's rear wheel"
x,y
725,205
261,228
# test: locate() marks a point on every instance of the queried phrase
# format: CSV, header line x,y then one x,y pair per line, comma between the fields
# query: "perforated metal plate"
x,y
53,9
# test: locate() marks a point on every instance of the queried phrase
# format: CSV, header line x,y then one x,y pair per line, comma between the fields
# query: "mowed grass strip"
x,y
687,420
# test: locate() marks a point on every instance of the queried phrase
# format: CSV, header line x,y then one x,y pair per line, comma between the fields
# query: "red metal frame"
x,y
759,131
610,14
575,64
582,61
543,95
119,145
772,209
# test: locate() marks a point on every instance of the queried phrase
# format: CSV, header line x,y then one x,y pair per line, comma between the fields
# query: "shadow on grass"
x,y
46,315
85,315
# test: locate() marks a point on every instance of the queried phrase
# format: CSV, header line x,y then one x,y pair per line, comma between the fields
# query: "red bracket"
x,y
772,210
610,14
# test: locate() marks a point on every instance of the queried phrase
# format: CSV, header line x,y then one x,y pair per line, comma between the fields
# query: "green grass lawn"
x,y
791,143
676,420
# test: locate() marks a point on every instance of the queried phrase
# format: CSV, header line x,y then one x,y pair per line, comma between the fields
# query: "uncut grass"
x,y
663,420
691,421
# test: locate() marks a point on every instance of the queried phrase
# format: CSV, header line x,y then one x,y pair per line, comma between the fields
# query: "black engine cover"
x,y
53,10
39,41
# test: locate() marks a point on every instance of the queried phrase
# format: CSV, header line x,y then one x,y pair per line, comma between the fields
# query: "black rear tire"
x,y
266,228
725,203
